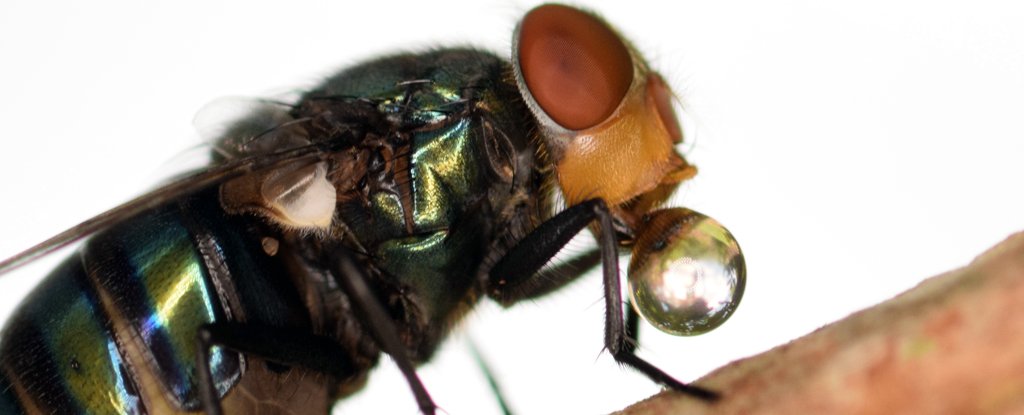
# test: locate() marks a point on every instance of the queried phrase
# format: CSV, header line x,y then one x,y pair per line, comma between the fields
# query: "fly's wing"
x,y
174,190
255,137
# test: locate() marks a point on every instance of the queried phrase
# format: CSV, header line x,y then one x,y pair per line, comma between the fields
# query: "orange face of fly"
x,y
606,119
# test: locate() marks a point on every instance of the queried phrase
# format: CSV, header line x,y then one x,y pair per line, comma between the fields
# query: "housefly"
x,y
368,217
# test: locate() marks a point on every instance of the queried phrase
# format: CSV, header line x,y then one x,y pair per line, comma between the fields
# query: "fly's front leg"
x,y
632,328
352,279
515,277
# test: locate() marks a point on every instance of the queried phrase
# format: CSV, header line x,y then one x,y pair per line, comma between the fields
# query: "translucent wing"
x,y
176,189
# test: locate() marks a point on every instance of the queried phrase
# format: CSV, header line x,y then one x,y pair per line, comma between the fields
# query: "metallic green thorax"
x,y
453,148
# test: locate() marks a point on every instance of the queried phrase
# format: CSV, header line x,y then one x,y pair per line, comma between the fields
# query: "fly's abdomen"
x,y
59,355
122,313
114,329
156,290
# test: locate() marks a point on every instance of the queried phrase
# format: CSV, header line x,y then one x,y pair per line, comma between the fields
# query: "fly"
x,y
367,218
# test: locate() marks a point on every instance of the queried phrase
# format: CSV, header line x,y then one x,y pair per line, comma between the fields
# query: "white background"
x,y
853,151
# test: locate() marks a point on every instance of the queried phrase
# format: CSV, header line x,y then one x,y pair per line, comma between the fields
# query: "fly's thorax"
x,y
429,159
410,141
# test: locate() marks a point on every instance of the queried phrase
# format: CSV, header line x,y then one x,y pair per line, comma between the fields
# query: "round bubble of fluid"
x,y
687,273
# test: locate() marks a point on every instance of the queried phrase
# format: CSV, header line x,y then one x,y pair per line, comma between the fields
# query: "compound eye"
x,y
687,273
576,68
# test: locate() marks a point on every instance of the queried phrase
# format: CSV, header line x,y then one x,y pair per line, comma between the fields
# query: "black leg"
x,y
517,275
514,277
632,328
207,391
280,345
352,280
558,275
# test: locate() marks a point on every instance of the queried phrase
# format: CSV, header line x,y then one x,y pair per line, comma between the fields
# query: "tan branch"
x,y
954,344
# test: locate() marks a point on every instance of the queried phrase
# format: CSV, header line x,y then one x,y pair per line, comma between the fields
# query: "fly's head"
x,y
608,125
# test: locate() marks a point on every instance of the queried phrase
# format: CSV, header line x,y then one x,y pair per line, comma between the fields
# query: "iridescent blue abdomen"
x,y
125,311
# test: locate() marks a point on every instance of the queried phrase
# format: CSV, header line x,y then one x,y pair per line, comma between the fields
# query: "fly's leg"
x,y
632,328
491,380
352,279
514,278
279,345
207,391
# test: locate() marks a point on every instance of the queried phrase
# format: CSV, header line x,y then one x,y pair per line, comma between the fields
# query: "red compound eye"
x,y
576,68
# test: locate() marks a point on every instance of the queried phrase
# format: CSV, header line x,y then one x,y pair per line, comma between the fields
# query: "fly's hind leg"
x,y
279,345
515,277
307,350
